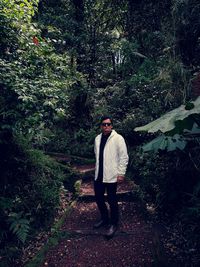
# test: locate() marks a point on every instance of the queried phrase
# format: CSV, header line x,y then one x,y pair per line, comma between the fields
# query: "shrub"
x,y
29,190
167,179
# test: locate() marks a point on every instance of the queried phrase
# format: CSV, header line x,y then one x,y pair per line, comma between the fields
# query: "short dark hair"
x,y
106,117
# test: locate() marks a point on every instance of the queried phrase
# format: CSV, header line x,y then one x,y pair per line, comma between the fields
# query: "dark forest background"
x,y
63,64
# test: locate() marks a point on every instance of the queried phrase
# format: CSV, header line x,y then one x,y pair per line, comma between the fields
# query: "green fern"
x,y
19,226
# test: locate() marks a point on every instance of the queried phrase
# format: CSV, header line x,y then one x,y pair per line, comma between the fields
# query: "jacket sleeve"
x,y
123,156
95,146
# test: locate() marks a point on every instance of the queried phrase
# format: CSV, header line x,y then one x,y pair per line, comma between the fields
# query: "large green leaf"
x,y
170,120
167,143
195,131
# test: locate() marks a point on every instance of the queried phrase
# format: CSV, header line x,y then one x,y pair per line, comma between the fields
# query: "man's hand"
x,y
120,179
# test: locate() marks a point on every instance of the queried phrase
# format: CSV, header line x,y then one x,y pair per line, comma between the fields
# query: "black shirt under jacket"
x,y
104,139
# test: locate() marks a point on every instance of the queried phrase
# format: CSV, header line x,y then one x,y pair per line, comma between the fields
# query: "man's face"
x,y
106,126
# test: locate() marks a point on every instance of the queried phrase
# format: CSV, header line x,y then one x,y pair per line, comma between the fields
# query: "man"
x,y
111,163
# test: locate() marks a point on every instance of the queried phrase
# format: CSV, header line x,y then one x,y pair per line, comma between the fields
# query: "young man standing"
x,y
111,163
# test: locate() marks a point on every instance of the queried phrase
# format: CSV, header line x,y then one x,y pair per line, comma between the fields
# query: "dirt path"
x,y
83,246
131,246
140,241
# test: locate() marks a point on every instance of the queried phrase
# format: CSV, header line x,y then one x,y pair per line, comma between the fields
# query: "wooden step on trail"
x,y
125,191
84,169
91,232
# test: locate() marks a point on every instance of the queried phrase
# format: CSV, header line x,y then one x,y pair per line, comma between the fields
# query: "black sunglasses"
x,y
106,124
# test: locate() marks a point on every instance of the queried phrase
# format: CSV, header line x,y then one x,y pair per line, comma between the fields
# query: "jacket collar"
x,y
111,135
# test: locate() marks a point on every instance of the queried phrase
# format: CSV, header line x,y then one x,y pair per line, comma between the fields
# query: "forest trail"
x,y
133,245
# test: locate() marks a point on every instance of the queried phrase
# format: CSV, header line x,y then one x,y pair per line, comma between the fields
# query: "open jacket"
x,y
115,157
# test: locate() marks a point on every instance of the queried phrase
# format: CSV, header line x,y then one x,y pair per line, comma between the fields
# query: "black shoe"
x,y
99,224
111,231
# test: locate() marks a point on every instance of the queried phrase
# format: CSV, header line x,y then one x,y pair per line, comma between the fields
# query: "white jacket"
x,y
115,157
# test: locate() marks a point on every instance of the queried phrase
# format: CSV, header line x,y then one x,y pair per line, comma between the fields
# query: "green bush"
x,y
168,179
29,188
170,182
79,142
46,178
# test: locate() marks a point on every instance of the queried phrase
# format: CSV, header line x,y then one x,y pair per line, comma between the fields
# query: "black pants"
x,y
111,189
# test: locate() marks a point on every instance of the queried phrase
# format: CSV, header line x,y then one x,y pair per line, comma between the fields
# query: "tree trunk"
x,y
79,33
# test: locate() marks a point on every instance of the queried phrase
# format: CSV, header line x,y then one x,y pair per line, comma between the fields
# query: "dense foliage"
x,y
65,63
